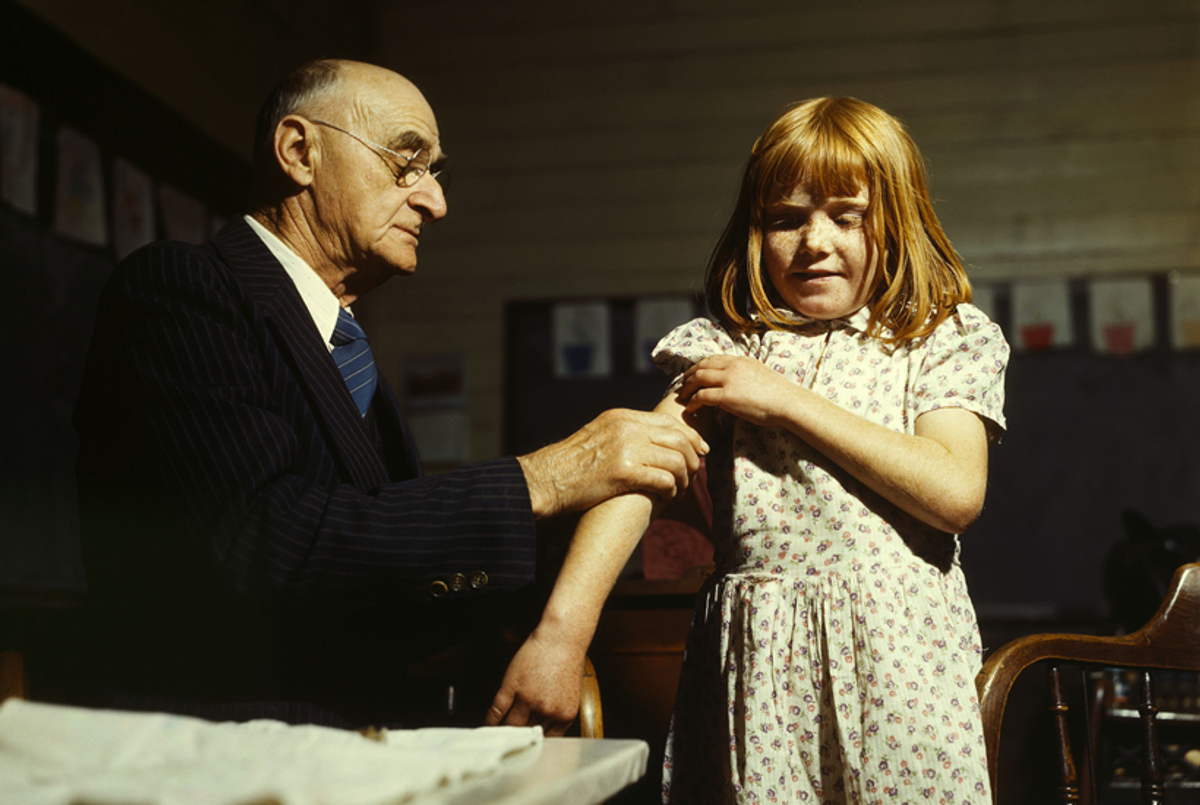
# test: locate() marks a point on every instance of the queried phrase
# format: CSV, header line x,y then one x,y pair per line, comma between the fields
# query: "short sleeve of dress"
x,y
691,343
963,367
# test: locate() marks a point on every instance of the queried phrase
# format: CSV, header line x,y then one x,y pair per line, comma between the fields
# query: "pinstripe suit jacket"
x,y
247,536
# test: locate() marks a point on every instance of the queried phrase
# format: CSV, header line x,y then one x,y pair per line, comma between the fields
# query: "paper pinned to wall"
x,y
79,209
133,208
1041,314
442,437
19,119
1185,310
581,339
984,298
1122,314
184,218
435,401
654,318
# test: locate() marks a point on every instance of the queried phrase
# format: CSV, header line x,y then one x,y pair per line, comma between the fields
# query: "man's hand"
x,y
619,451
541,686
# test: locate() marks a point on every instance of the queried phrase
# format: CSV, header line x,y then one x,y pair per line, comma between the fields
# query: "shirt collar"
x,y
322,305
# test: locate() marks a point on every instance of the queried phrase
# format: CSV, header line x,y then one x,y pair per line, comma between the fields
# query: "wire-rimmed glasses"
x,y
413,168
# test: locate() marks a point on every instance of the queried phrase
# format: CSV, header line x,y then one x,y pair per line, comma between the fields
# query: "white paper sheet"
x,y
1122,315
19,119
1185,310
184,218
79,208
652,319
1041,313
133,208
581,340
984,298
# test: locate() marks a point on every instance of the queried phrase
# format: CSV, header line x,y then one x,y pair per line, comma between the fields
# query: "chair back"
x,y
1170,641
14,683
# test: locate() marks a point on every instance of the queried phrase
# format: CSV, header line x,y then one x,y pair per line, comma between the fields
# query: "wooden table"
x,y
564,771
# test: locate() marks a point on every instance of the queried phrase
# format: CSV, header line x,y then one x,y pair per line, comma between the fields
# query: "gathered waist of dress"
x,y
896,566
768,554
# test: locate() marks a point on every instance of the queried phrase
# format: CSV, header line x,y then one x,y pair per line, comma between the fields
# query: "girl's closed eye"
x,y
784,223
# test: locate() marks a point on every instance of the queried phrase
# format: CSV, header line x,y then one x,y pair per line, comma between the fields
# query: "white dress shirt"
x,y
322,305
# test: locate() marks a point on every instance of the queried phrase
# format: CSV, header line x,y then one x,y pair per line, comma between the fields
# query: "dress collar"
x,y
855,321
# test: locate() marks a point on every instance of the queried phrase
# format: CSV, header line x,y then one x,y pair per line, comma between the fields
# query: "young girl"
x,y
849,391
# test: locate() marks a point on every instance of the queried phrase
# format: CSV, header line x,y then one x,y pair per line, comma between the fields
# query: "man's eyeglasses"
x,y
413,167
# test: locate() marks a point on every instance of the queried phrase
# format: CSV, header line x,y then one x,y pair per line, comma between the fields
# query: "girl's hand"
x,y
740,386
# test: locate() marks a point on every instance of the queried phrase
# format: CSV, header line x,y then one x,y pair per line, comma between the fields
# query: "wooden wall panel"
x,y
596,147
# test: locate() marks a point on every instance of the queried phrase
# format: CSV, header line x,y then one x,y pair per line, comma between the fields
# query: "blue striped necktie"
x,y
352,354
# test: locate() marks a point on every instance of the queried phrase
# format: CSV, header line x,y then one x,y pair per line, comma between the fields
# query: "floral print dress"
x,y
833,654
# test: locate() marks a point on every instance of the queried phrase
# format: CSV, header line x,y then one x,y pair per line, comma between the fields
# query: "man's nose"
x,y
429,198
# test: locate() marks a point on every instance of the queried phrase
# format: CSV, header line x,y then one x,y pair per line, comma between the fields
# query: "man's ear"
x,y
294,149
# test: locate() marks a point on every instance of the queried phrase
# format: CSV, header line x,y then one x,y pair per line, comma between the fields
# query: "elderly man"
x,y
258,535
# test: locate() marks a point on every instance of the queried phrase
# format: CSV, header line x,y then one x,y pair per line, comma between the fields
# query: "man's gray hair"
x,y
295,94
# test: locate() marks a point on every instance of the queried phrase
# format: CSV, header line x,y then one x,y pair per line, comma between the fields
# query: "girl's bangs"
x,y
826,162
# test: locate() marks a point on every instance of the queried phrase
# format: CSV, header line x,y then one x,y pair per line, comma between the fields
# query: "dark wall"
x,y
51,287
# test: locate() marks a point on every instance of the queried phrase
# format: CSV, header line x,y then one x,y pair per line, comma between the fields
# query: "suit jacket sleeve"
x,y
206,442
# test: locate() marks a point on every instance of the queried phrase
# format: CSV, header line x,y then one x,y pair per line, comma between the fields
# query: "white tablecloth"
x,y
51,754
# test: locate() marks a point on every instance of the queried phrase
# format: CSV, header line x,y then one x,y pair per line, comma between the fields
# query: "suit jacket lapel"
x,y
300,343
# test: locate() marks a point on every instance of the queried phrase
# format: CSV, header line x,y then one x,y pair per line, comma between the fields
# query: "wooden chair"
x,y
591,716
1171,640
13,680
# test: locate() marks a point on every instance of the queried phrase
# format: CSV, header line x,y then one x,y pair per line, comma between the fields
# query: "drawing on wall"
x,y
653,318
133,208
19,117
984,298
1041,314
79,209
581,339
1185,310
435,401
184,218
1122,313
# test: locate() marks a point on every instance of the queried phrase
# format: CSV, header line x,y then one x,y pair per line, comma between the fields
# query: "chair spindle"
x,y
1068,791
1153,790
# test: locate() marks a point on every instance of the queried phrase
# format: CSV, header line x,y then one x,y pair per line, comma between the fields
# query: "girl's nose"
x,y
816,233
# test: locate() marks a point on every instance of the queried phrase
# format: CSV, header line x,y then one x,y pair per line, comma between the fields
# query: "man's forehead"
x,y
400,125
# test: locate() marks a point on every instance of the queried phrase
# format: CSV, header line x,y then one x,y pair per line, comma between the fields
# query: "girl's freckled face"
x,y
815,252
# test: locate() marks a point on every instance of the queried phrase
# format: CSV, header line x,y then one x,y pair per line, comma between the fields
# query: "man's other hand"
x,y
541,686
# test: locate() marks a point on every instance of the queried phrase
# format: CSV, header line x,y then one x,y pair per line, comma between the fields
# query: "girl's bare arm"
x,y
542,683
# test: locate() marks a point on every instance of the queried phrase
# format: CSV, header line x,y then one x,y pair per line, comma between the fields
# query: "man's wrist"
x,y
542,493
